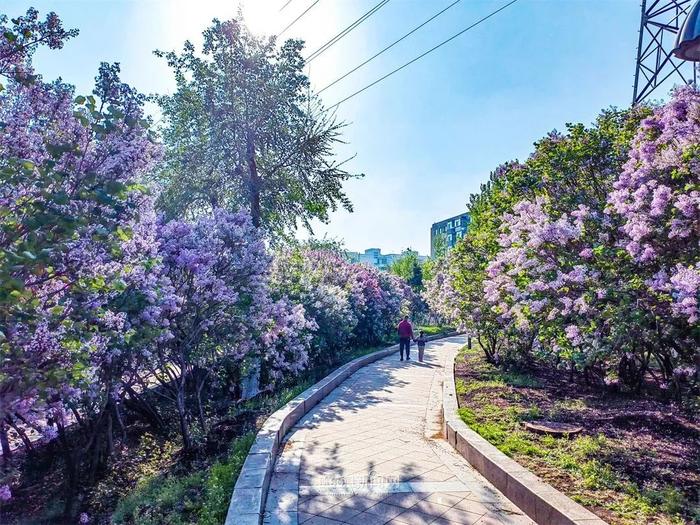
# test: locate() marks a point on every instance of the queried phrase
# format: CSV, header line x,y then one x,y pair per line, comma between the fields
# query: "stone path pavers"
x,y
370,453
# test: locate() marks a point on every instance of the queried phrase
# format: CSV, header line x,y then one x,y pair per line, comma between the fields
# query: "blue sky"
x,y
426,137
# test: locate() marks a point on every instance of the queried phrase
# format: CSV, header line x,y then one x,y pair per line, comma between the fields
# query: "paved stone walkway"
x,y
371,453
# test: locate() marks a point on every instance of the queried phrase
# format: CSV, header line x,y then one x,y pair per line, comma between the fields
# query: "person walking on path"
x,y
405,336
420,341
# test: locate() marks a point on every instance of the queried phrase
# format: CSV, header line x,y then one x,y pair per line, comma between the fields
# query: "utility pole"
x,y
660,22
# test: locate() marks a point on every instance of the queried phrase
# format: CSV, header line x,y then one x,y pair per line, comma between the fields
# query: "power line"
x,y
424,54
298,18
389,46
286,4
345,31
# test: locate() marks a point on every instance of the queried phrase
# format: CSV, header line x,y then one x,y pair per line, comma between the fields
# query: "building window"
x,y
449,225
460,234
457,223
449,238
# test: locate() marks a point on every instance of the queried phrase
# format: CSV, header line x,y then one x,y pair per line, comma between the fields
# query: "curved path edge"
x,y
539,500
247,503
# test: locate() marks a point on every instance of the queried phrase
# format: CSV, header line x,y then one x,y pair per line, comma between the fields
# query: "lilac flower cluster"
x,y
657,198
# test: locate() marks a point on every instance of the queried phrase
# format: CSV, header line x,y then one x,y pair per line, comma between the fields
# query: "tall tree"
x,y
243,131
409,268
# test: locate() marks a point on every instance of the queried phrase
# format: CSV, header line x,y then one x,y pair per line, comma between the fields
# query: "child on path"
x,y
421,345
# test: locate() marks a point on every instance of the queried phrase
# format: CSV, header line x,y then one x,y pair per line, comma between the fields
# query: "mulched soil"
x,y
652,441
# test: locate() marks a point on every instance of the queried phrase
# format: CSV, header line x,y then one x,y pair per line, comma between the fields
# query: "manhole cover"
x,y
552,428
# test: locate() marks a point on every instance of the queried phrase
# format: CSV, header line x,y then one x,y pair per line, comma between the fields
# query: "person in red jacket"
x,y
405,336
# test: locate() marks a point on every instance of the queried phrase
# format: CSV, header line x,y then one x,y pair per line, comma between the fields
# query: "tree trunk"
x,y
201,378
110,435
4,442
254,188
23,436
182,414
71,475
572,367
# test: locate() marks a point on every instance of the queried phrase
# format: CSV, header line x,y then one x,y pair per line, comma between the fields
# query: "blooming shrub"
x,y
76,251
587,255
350,304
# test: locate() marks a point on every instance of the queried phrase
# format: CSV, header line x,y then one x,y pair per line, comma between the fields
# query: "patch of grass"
x,y
668,498
460,386
531,413
474,386
588,446
468,416
156,500
152,456
220,481
597,475
519,379
517,443
435,329
201,497
492,432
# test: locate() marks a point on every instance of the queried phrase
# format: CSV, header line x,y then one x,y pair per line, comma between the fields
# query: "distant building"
x,y
450,230
375,257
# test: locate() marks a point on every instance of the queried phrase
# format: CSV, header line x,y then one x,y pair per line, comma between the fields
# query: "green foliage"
x,y
159,500
244,131
435,329
460,386
220,481
439,246
200,497
571,168
519,379
409,268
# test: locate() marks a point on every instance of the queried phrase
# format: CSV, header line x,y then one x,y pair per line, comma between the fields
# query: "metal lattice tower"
x,y
661,20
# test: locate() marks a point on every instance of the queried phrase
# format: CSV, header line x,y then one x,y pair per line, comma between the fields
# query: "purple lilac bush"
x,y
599,275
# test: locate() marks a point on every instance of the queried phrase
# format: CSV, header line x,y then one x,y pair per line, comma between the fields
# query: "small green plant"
x,y
519,379
531,413
220,481
597,475
669,498
461,386
587,446
467,415
518,443
159,500
492,432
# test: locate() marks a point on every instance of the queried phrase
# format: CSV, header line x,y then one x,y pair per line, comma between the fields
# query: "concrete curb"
x,y
247,504
539,500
